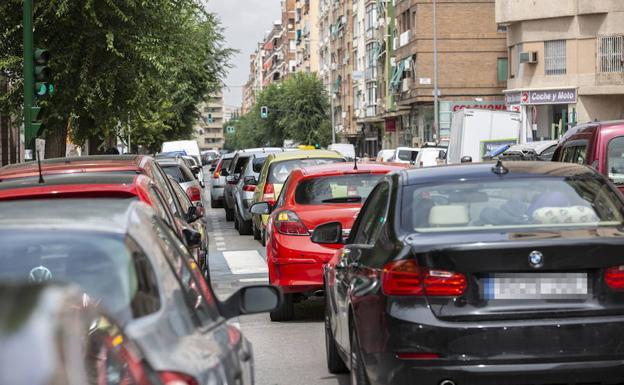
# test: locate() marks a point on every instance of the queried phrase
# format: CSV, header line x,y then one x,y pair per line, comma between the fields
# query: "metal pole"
x,y
331,83
435,75
29,81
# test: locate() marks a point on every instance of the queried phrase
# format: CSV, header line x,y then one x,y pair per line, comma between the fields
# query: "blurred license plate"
x,y
536,286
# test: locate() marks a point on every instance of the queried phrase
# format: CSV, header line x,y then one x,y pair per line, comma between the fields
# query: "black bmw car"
x,y
480,274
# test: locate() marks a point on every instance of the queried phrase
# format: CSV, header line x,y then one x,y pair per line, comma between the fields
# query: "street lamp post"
x,y
436,118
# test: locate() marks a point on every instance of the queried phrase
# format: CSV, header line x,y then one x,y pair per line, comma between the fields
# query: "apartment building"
x,y
209,127
273,66
254,84
472,56
289,36
306,36
566,62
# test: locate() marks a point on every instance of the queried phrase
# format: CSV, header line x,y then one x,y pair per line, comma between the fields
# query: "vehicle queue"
x,y
507,271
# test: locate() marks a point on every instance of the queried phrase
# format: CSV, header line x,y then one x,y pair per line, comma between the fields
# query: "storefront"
x,y
546,114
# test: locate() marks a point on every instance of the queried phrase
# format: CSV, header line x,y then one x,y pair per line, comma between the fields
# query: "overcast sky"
x,y
245,23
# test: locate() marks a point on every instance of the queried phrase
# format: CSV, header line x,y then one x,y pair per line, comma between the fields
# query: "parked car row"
x,y
502,272
123,236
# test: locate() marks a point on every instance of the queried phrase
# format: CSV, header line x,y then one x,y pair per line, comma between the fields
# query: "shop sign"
x,y
493,105
390,125
562,96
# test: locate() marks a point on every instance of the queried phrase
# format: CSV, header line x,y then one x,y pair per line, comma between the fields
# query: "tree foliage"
x,y
132,66
298,110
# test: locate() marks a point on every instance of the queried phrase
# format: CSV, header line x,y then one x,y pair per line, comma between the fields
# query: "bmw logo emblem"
x,y
536,259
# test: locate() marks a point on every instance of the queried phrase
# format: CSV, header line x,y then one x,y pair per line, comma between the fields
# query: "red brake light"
x,y
268,195
194,193
249,188
288,223
405,277
217,171
614,277
175,378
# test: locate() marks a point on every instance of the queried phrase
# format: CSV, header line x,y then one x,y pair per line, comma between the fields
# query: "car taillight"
x,y
175,378
268,195
249,188
288,223
217,171
405,277
194,193
614,277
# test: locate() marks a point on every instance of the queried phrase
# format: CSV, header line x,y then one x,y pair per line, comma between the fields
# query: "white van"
x,y
474,133
428,156
345,149
405,155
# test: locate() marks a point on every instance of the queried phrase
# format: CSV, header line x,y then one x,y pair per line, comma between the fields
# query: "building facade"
x,y
289,37
306,36
566,62
273,65
209,127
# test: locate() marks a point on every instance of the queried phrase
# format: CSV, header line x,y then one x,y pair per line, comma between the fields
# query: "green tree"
x,y
137,66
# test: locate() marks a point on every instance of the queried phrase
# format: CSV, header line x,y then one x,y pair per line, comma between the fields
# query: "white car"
x,y
385,155
405,155
428,156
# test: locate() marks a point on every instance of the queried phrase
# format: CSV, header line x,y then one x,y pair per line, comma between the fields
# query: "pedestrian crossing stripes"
x,y
245,262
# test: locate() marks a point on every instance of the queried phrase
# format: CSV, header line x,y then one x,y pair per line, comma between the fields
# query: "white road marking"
x,y
266,279
245,262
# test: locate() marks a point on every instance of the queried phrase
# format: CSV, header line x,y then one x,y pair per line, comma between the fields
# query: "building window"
x,y
611,54
555,57
502,65
519,48
371,17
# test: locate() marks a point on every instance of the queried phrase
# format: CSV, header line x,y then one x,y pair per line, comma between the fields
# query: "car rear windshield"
x,y
180,174
103,265
353,188
279,171
240,164
521,203
225,165
406,155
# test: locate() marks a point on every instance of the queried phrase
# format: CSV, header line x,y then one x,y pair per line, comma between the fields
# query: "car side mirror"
x,y
194,213
328,233
260,208
466,159
195,169
250,180
251,300
193,238
442,155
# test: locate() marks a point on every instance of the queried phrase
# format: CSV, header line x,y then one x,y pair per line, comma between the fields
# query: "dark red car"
x,y
311,196
108,185
597,144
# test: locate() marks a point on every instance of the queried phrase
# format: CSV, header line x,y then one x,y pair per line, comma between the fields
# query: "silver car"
x,y
217,180
177,170
243,192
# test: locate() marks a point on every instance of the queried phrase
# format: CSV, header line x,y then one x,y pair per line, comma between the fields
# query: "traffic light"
x,y
264,112
43,73
209,118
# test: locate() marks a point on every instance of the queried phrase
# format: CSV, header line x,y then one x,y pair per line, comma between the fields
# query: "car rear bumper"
x,y
400,372
297,263
543,351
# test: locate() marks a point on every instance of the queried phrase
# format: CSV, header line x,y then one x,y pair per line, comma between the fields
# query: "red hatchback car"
x,y
311,196
597,144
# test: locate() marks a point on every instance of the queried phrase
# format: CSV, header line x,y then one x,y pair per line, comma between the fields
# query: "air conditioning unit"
x,y
528,57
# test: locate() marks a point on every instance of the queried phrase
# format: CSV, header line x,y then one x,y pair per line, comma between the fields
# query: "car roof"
x,y
75,164
85,214
348,168
94,185
592,126
484,171
167,162
303,154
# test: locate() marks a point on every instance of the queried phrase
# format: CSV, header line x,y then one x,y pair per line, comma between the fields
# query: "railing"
x,y
610,57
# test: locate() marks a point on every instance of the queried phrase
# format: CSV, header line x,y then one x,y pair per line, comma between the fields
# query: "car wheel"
x,y
256,233
358,373
229,215
286,311
335,364
244,227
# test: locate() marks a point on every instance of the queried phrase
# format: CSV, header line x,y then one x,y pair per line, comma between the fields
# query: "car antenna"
x,y
41,181
499,168
355,163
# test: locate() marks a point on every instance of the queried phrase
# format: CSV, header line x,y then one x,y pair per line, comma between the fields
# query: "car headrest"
x,y
448,215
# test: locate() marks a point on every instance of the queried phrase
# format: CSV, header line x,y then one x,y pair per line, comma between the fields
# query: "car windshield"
x,y
102,264
279,171
615,160
406,155
549,202
179,174
352,188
